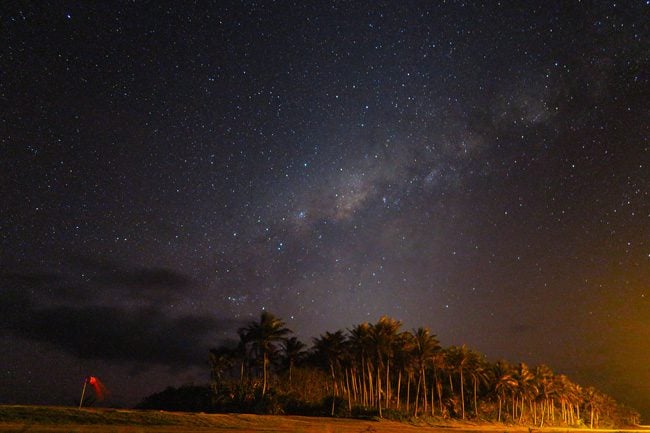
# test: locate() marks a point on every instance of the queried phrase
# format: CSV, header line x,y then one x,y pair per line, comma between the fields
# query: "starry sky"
x,y
171,169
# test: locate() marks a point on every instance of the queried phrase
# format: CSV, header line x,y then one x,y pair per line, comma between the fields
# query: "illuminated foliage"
x,y
366,367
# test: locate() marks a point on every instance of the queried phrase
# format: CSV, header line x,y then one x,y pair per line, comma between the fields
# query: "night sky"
x,y
171,169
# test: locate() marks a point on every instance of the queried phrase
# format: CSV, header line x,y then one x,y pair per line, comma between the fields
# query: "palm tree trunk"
x,y
387,382
424,390
417,396
433,406
355,384
347,382
552,414
408,392
475,398
364,388
399,386
264,373
434,387
499,418
378,391
290,374
333,387
462,393
371,388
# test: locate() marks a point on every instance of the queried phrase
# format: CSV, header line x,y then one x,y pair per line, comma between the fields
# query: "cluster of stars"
x,y
449,164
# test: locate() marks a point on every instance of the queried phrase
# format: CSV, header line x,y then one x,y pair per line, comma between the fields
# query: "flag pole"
x,y
83,391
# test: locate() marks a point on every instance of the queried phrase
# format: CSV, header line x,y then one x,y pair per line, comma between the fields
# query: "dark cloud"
x,y
138,282
111,333
130,332
156,278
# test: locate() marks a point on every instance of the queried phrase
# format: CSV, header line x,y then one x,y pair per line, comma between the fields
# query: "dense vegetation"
x,y
379,370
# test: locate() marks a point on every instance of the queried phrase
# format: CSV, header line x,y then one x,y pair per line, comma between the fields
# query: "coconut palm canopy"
x,y
379,368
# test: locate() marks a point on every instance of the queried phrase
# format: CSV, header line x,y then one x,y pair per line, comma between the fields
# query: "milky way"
x,y
169,171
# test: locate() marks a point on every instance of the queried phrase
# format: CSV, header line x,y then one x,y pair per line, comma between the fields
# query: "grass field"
x,y
35,419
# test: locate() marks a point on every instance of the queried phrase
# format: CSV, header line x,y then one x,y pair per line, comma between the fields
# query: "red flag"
x,y
100,389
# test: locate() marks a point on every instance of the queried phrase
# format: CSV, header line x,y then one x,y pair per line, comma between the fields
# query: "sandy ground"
x,y
229,423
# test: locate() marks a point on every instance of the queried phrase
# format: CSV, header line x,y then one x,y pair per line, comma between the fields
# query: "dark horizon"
x,y
168,172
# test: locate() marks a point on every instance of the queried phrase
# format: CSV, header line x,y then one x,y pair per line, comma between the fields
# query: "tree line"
x,y
378,369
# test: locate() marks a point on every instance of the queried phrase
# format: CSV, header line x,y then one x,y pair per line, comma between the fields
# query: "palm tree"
x,y
263,335
425,346
544,384
384,335
361,346
221,361
479,373
331,347
242,354
505,383
570,396
458,358
376,353
294,351
439,366
526,386
403,359
595,401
